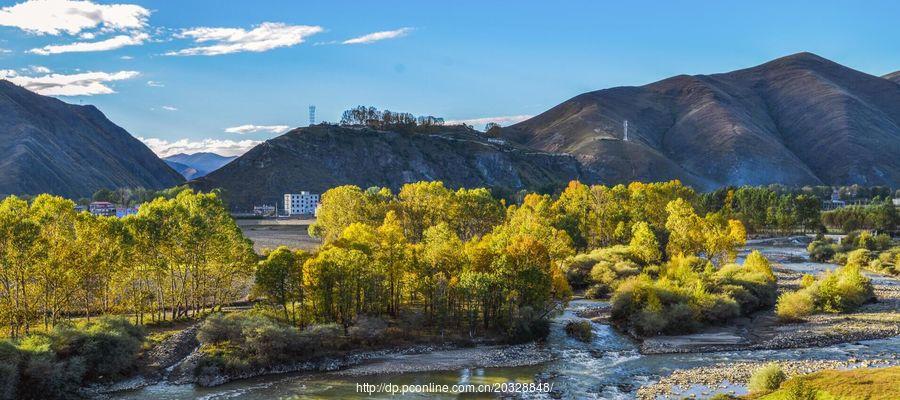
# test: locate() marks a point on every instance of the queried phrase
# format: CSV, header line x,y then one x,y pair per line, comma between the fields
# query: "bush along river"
x,y
611,365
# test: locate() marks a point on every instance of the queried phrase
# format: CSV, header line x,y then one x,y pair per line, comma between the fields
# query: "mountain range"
x,y
320,157
196,165
797,120
49,146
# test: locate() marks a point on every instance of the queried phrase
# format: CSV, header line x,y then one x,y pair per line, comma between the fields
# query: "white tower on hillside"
x,y
626,130
312,115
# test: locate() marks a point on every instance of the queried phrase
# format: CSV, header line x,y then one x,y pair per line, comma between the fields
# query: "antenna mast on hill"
x,y
626,130
312,115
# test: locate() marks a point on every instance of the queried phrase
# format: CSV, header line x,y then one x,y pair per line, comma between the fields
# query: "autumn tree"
x,y
644,245
684,226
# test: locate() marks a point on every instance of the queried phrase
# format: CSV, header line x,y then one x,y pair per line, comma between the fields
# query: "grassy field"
x,y
857,384
269,234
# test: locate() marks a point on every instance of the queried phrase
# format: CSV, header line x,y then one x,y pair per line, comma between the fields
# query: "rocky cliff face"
x,y
321,157
48,146
796,120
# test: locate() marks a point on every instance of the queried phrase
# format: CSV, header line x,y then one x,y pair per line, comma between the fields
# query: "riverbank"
x,y
611,365
763,331
420,358
733,378
178,360
497,356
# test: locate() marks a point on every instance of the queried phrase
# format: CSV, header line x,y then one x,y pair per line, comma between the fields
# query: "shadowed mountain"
x,y
48,146
796,120
893,76
321,157
197,164
186,171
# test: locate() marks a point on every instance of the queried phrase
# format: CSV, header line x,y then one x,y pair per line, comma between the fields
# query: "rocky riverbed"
x,y
188,371
876,320
501,356
723,378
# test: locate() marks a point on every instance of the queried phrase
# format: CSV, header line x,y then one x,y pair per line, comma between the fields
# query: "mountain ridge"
x,y
893,76
749,126
186,171
49,146
202,162
320,157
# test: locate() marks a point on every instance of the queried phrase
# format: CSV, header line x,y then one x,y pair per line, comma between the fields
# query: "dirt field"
x,y
269,234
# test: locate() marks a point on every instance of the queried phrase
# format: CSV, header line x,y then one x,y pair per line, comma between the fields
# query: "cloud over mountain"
x,y
244,129
80,84
165,148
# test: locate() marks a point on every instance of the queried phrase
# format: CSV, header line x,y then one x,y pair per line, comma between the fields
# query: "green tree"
x,y
280,278
644,245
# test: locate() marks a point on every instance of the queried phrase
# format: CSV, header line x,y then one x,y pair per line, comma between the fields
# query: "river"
x,y
610,367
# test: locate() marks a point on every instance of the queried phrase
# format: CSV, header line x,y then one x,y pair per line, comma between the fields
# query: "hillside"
x,y
198,164
321,157
186,171
796,120
47,145
894,76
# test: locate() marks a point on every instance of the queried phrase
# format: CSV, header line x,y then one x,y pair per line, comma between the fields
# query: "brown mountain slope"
x,y
796,120
48,146
321,157
893,76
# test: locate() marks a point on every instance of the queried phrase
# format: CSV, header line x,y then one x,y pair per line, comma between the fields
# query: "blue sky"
x,y
180,74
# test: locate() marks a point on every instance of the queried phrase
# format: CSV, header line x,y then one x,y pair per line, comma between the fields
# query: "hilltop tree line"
x,y
401,121
387,119
174,258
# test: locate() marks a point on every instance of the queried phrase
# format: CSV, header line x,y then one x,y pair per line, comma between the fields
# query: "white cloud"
x,y
243,129
112,43
481,122
53,17
155,84
39,69
81,84
165,148
126,58
5,51
169,108
266,36
376,36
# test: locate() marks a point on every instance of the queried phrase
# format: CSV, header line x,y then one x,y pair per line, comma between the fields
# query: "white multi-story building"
x,y
303,203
